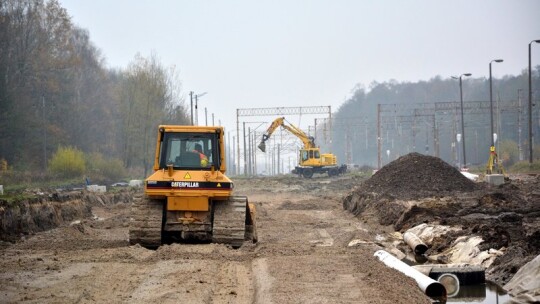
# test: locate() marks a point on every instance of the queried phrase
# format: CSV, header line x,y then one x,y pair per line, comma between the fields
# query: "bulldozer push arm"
x,y
308,141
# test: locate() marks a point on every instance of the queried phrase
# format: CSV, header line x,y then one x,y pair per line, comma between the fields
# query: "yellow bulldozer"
x,y
189,198
311,160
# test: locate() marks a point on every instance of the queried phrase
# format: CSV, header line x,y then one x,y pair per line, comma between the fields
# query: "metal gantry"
x,y
396,112
275,111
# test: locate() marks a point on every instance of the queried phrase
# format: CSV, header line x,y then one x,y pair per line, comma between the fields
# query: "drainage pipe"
x,y
430,287
415,243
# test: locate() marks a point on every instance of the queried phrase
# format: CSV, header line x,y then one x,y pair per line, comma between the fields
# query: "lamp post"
x,y
492,154
191,102
197,106
462,121
491,100
530,106
44,134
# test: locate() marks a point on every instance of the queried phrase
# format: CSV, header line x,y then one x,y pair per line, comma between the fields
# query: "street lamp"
x,y
462,121
492,155
197,107
191,102
491,99
530,106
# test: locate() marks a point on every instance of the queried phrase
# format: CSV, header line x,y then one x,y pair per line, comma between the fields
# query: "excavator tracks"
x,y
230,221
146,222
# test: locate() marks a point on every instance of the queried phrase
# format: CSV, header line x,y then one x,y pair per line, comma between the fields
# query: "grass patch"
x,y
525,167
10,199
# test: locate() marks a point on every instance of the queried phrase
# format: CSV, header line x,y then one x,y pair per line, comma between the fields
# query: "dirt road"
x,y
302,257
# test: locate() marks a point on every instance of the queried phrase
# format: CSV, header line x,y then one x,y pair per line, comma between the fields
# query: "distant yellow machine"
x,y
188,197
311,159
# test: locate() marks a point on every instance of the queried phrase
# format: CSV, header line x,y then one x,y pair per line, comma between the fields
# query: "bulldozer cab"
x,y
189,150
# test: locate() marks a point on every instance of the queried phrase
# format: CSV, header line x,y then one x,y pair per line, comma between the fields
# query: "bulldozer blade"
x,y
262,146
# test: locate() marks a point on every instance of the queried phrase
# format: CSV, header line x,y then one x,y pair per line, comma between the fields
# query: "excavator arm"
x,y
308,141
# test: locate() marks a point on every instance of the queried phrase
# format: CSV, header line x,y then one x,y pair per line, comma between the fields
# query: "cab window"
x,y
189,150
304,154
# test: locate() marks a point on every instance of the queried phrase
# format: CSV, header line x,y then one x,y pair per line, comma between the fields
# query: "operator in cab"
x,y
202,156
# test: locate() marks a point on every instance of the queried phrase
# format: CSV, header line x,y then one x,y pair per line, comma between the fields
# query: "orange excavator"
x,y
311,159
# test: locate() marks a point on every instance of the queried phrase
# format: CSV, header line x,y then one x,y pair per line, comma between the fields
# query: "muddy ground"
x,y
302,257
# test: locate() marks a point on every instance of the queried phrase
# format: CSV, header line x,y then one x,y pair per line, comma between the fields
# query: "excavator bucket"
x,y
262,146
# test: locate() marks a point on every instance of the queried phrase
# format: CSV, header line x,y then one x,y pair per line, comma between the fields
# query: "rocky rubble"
x,y
416,189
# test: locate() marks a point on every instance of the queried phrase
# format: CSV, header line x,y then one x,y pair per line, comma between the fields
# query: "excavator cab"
x,y
189,197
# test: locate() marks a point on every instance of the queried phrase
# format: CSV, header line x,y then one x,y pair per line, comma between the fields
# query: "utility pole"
x,y
245,156
278,158
191,101
249,152
44,134
228,148
196,122
273,162
315,129
235,165
379,136
254,153
238,142
530,105
520,147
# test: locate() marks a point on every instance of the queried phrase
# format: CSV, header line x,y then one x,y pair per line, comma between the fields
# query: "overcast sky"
x,y
250,54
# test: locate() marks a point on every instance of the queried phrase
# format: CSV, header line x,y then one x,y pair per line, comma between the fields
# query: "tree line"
x,y
355,123
55,90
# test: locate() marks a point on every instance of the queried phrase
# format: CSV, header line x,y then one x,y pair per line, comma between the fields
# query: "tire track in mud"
x,y
151,288
234,285
263,282
194,281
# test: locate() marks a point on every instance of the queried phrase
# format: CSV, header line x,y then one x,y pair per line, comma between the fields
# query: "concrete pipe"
x,y
450,283
415,243
430,287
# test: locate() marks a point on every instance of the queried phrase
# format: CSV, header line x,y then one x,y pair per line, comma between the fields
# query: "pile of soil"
x,y
410,177
416,176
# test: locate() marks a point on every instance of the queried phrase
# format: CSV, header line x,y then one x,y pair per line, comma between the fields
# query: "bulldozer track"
x,y
146,221
230,221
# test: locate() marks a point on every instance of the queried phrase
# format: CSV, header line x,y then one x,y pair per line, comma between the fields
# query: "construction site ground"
x,y
302,255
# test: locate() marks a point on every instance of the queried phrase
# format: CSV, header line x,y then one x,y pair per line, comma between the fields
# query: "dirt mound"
x,y
416,176
418,189
410,177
